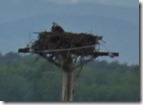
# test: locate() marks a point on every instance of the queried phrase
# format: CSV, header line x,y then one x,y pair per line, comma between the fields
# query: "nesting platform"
x,y
55,43
67,42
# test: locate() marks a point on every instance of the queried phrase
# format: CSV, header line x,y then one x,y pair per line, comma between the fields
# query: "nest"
x,y
58,43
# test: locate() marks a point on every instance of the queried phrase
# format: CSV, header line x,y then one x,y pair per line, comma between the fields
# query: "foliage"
x,y
23,79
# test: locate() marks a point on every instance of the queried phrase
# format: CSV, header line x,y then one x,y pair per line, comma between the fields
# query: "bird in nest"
x,y
57,28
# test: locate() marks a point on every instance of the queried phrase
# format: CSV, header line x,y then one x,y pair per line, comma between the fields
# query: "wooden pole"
x,y
67,86
67,82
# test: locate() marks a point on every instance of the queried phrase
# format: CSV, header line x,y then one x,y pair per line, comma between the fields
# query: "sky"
x,y
105,17
11,10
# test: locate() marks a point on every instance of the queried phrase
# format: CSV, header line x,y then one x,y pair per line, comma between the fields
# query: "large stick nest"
x,y
81,44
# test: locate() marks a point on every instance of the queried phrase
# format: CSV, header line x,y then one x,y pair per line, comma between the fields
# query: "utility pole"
x,y
59,49
68,79
67,86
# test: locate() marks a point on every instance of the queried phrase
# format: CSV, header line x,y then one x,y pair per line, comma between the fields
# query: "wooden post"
x,y
67,86
67,82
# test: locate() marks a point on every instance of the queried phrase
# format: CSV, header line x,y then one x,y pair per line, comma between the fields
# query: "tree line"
x,y
24,79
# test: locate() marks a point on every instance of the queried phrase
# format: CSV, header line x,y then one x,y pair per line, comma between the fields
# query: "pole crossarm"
x,y
27,50
96,54
43,54
112,54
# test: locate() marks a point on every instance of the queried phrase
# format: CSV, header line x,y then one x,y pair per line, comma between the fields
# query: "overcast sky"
x,y
109,2
14,9
116,13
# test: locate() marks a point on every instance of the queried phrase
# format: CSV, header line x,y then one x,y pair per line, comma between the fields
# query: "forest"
x,y
25,79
